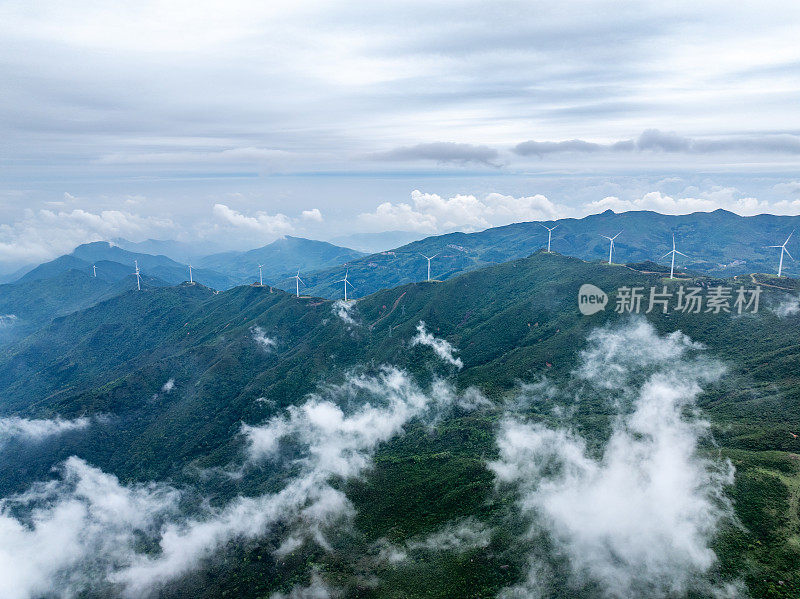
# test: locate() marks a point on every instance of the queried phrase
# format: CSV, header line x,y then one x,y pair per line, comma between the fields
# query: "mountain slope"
x,y
512,322
157,266
279,259
719,243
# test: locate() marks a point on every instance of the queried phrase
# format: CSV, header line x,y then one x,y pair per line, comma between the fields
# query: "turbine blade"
x,y
788,238
787,251
667,254
681,253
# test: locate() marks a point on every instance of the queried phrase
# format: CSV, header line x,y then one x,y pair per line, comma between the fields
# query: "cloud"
x,y
8,320
313,215
442,152
788,307
78,529
708,201
331,442
168,386
639,519
316,589
37,430
654,140
85,530
45,234
272,224
441,347
229,155
260,337
431,213
789,187
343,310
456,537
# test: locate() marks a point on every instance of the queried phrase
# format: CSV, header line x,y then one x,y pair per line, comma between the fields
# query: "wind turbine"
x,y
549,236
611,239
783,249
673,251
429,262
261,278
298,280
190,274
138,278
346,283
94,270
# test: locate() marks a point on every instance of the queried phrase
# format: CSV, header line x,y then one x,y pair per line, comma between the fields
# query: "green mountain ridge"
x,y
512,322
718,243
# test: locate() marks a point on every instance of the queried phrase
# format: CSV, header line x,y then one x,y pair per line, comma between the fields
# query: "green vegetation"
x,y
512,322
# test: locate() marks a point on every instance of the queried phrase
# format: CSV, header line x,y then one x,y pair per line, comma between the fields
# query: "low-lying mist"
x,y
637,520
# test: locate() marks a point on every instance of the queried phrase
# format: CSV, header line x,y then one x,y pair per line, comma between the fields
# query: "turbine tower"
x,y
138,278
673,251
783,249
298,280
549,236
346,283
191,280
261,278
611,239
429,262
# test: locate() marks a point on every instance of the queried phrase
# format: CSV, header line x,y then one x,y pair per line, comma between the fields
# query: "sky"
x,y
230,124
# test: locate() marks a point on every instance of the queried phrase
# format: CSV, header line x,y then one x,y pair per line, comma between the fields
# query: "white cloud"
x,y
313,215
639,520
260,337
84,530
80,527
229,155
344,310
788,307
333,442
431,213
317,589
271,224
45,234
726,198
441,347
168,386
37,430
456,537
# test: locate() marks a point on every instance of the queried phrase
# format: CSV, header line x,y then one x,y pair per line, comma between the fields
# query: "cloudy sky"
x,y
237,122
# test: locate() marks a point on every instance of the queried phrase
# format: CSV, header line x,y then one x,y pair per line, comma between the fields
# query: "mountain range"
x,y
718,243
178,385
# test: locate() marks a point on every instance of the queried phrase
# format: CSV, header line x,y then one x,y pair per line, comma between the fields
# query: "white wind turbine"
x,y
138,278
429,262
783,249
611,239
191,280
549,236
673,251
260,277
94,270
298,280
346,283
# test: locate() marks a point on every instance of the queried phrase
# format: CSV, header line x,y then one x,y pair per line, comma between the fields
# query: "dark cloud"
x,y
653,140
443,152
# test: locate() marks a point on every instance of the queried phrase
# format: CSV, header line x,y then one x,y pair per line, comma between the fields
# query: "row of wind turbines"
x,y
673,252
346,282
